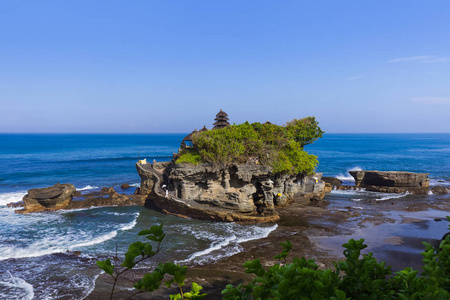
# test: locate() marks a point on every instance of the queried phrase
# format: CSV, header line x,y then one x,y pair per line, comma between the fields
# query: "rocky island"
x,y
236,173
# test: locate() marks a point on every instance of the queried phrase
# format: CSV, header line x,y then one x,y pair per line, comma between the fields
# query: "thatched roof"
x,y
203,129
189,136
221,123
221,113
221,120
268,122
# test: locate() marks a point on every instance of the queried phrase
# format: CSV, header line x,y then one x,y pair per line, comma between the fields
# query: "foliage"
x,y
189,156
305,131
280,147
138,252
355,277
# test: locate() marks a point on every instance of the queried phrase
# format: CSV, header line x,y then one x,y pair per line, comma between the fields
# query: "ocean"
x,y
34,262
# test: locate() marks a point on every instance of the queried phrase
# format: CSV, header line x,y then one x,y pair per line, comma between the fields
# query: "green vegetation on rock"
x,y
280,147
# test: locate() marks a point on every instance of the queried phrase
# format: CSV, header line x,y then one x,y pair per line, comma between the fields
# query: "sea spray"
x,y
6,198
347,177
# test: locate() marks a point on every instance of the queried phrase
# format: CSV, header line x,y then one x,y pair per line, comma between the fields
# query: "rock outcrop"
x,y
50,198
65,196
392,182
241,192
390,179
333,181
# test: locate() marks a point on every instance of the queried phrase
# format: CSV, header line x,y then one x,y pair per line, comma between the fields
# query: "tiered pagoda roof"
x,y
221,120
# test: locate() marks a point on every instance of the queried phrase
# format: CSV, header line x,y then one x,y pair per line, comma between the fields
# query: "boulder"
x,y
390,179
125,186
50,198
107,191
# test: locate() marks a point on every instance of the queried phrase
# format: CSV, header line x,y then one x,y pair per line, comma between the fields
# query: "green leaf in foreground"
x,y
106,266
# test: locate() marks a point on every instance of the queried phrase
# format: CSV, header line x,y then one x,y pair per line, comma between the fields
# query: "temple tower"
x,y
221,120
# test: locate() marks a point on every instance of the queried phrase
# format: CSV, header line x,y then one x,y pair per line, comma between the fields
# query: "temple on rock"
x,y
221,120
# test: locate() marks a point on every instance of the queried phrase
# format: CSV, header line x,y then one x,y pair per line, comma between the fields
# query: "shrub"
x,y
280,147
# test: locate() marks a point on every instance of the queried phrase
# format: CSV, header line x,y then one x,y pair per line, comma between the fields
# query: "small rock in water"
x,y
125,186
107,190
438,219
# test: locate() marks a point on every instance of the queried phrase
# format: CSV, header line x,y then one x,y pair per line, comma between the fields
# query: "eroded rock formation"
x,y
240,192
50,198
390,179
394,182
65,196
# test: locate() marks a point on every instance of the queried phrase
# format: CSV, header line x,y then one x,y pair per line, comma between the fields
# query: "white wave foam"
x,y
70,289
233,241
91,286
131,224
441,182
135,184
387,196
214,247
88,187
11,197
52,244
349,192
98,240
357,207
15,287
65,211
367,195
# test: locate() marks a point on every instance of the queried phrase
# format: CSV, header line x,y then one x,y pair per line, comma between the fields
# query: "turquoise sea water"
x,y
33,258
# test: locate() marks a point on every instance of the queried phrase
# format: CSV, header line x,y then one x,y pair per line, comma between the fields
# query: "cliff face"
x,y
248,190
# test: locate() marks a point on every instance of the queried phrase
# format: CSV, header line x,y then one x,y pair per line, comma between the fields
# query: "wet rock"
x,y
397,190
15,204
107,191
332,180
439,190
51,198
125,186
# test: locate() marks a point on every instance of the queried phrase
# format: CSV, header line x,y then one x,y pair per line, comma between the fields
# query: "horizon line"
x,y
97,133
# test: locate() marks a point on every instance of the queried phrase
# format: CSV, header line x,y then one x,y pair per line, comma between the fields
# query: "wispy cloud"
x,y
421,59
355,77
431,100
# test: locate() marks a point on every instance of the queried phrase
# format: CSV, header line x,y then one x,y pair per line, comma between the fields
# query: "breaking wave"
x,y
11,197
347,177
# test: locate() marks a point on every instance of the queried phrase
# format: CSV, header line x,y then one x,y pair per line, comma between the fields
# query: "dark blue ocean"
x,y
33,259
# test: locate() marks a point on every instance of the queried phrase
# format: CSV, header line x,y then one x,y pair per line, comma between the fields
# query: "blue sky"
x,y
170,66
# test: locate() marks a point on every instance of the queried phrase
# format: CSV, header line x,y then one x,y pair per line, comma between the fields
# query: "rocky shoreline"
x,y
315,226
309,228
